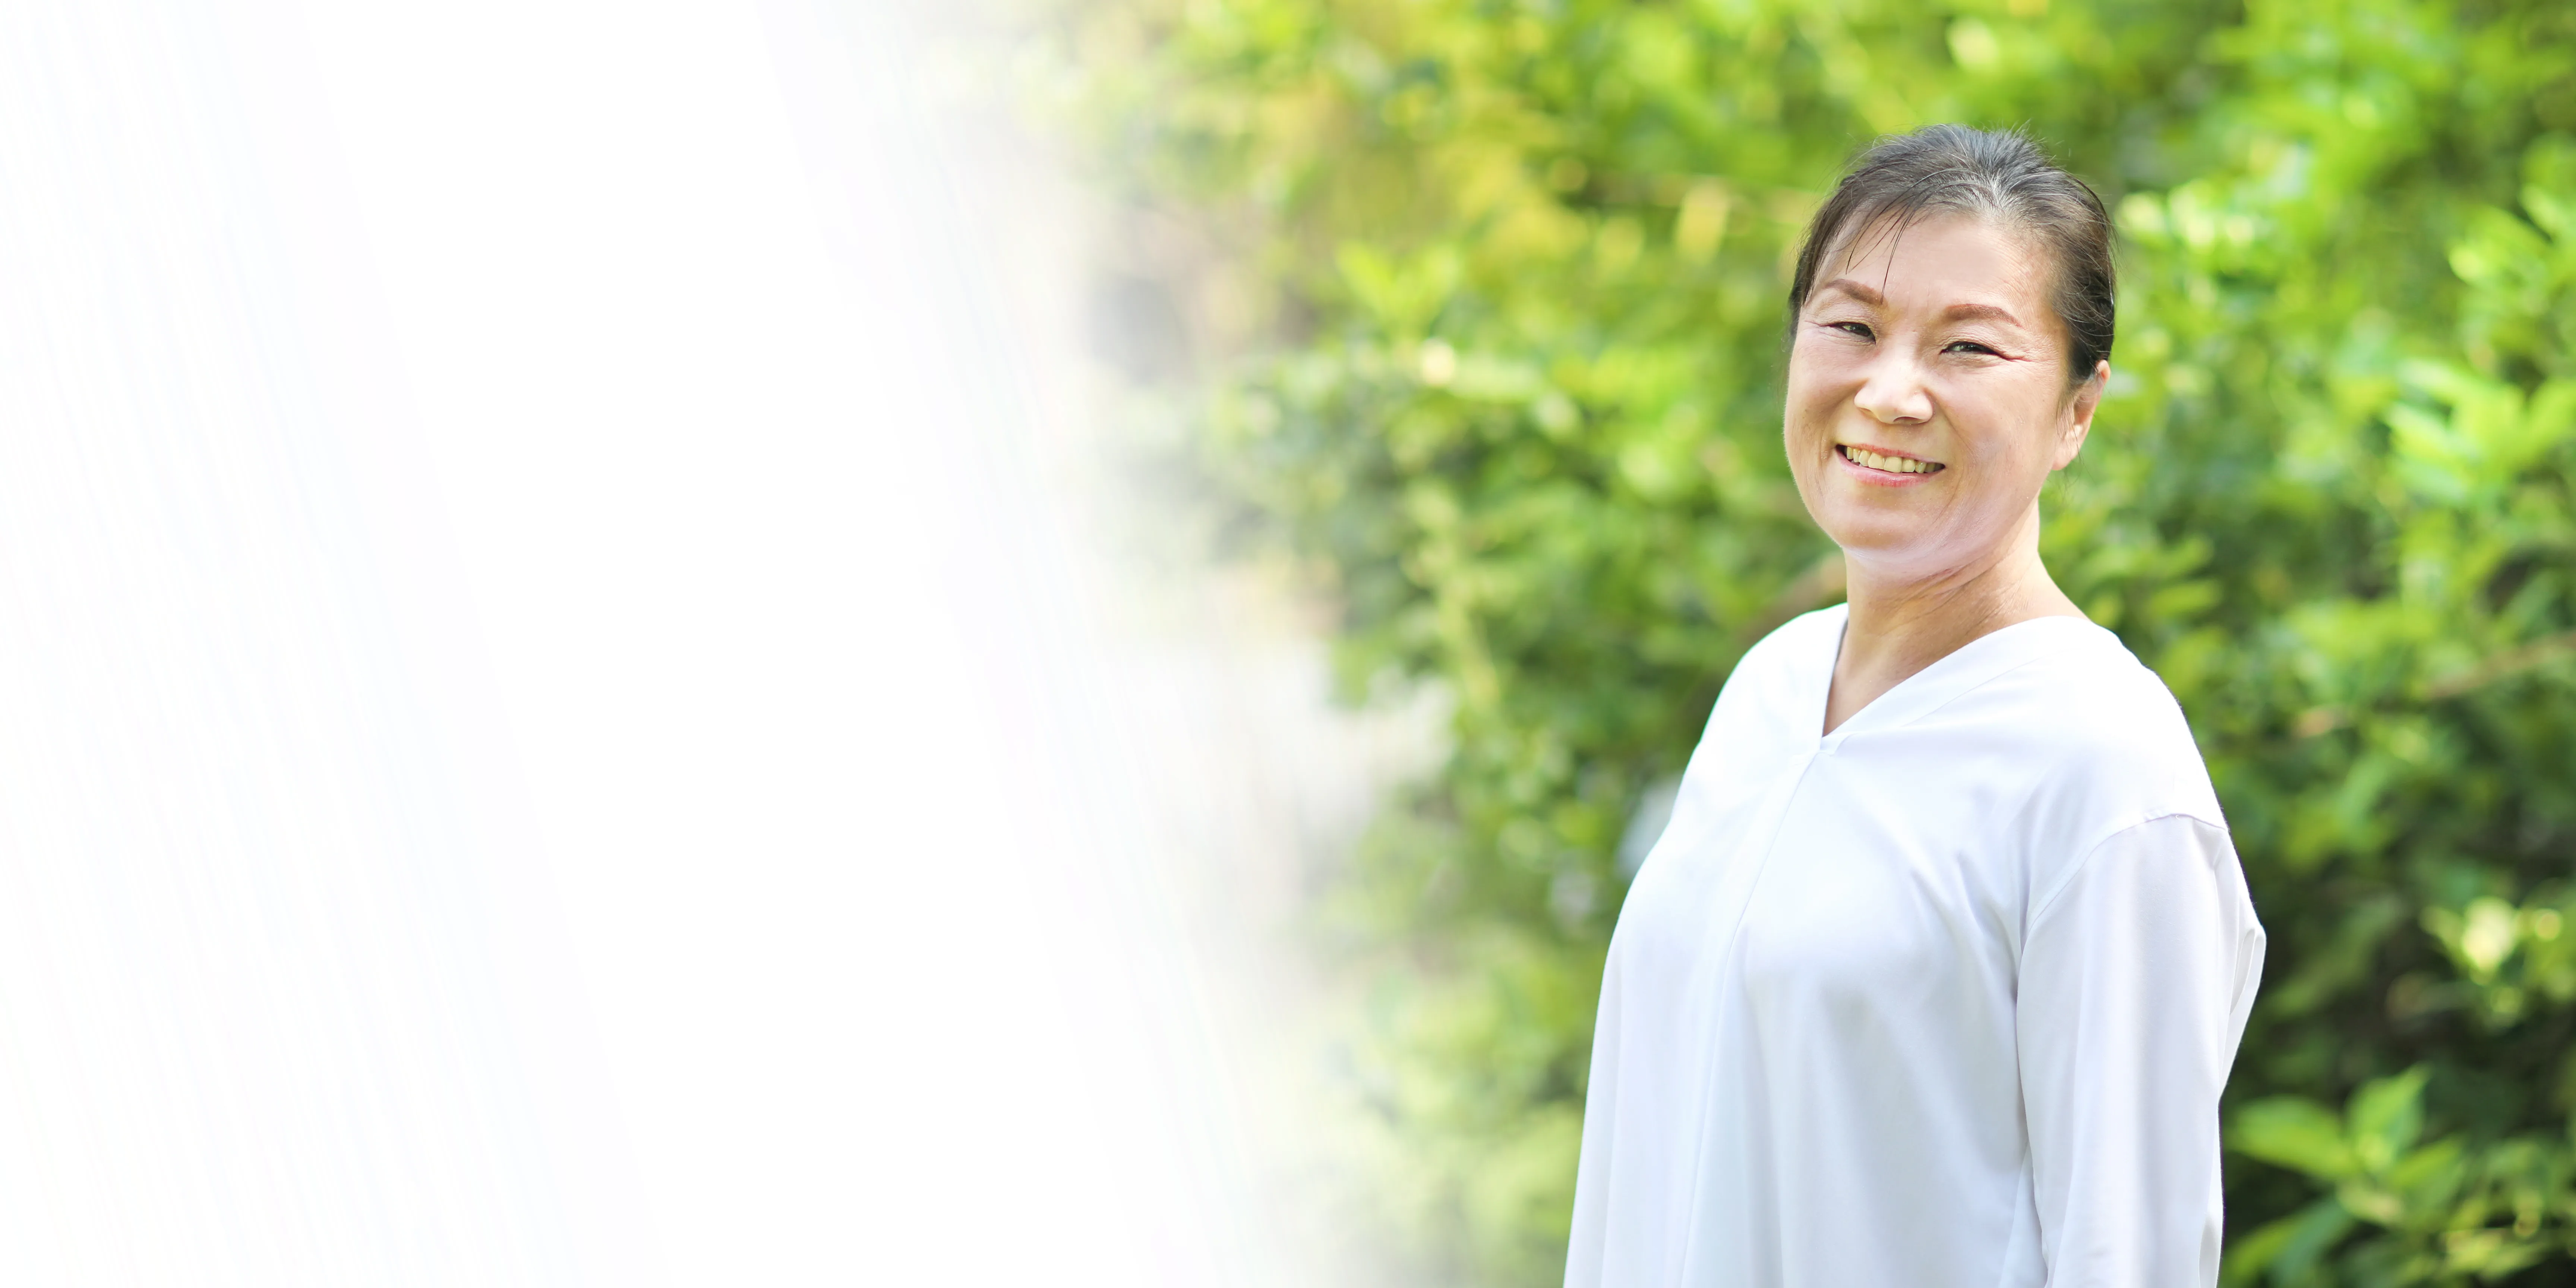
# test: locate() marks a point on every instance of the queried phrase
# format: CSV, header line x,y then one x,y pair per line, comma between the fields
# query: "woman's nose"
x,y
1894,393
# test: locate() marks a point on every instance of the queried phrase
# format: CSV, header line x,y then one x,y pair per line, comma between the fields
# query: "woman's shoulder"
x,y
1804,633
1776,679
1805,643
2108,731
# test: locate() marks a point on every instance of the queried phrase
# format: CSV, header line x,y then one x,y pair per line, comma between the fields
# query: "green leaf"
x,y
2289,1248
2294,1133
2386,1117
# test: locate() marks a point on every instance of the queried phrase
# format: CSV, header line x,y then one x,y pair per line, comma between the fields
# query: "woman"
x,y
1939,967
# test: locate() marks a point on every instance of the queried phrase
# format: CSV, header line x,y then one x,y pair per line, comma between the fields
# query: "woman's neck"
x,y
1900,624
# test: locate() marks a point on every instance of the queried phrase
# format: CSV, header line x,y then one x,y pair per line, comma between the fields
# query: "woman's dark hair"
x,y
1997,174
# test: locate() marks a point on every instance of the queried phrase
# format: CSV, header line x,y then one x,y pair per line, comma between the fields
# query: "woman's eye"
x,y
1860,329
1970,346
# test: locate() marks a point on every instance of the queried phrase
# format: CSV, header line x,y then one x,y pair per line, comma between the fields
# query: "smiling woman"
x,y
1937,971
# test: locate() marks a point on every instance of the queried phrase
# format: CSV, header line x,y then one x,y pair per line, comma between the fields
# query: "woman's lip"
x,y
1878,477
1884,451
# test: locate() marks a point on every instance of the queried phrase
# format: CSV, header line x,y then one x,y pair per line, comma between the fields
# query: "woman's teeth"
x,y
1891,464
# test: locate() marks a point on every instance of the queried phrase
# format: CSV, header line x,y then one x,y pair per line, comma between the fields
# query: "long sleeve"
x,y
2135,980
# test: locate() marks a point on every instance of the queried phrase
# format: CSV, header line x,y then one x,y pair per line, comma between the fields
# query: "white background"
x,y
555,723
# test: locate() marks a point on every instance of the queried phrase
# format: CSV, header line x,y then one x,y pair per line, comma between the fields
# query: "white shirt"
x,y
1943,999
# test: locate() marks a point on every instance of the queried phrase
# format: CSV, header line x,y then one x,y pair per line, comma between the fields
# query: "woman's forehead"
x,y
1897,257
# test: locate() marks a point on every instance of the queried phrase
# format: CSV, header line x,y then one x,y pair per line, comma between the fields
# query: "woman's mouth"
x,y
1885,462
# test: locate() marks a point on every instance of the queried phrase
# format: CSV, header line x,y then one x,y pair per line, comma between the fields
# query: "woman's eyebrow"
x,y
1866,294
1980,313
1856,290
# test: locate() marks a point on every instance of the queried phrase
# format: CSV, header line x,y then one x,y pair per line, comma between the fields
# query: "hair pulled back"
x,y
1995,174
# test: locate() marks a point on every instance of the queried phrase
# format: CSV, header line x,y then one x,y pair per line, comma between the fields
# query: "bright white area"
x,y
734,427
283,1000
562,720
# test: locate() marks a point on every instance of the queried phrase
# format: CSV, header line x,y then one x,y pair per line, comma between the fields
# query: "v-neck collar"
x,y
1963,668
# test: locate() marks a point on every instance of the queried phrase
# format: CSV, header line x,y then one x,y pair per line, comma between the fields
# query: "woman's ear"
x,y
2079,415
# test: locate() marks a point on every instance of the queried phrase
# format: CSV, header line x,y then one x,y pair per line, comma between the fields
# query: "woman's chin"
x,y
1873,524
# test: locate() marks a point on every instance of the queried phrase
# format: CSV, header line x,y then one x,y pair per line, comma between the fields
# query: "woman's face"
x,y
1928,394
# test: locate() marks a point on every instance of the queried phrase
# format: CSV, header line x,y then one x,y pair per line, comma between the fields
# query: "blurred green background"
x,y
1495,297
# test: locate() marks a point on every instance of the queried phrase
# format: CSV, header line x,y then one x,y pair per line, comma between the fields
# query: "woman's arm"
x,y
2136,977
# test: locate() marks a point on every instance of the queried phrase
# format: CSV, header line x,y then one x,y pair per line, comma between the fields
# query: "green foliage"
x,y
1521,268
2454,1211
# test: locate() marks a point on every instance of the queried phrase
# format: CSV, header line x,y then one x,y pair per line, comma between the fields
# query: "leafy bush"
x,y
1521,268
